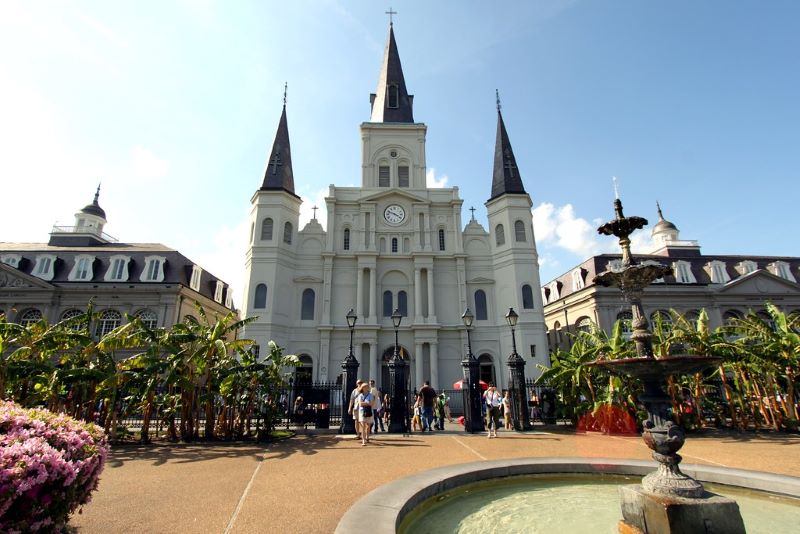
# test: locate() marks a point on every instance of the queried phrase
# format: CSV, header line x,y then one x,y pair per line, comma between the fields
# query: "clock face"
x,y
394,214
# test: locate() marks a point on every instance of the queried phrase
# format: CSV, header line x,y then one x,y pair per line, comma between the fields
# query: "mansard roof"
x,y
384,109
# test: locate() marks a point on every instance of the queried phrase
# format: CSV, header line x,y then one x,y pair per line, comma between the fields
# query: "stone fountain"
x,y
667,500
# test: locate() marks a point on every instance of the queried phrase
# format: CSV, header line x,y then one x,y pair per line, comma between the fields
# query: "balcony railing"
x,y
82,230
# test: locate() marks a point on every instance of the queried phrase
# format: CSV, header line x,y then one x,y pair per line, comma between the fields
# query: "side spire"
x,y
279,174
506,178
391,101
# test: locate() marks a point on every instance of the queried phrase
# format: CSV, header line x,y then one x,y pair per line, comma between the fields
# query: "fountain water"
x,y
667,500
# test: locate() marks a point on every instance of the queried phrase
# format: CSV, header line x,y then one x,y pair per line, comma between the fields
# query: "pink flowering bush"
x,y
49,466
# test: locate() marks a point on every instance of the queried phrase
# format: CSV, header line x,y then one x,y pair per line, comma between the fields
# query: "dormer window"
x,y
229,298
218,291
782,269
746,267
153,269
83,268
555,291
118,269
577,279
194,283
718,272
11,260
683,272
45,266
392,96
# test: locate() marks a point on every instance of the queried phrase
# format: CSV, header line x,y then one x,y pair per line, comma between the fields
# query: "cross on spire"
x,y
472,209
315,212
497,96
390,13
275,162
509,163
285,88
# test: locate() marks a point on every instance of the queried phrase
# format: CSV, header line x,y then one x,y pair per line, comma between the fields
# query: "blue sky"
x,y
174,105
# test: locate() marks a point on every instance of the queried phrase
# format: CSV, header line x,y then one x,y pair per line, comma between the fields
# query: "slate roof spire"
x,y
506,178
391,101
279,175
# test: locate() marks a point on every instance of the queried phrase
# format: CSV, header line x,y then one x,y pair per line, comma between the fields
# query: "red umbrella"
x,y
459,384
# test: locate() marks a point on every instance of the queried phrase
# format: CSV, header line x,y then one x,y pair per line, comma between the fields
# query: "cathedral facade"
x,y
394,244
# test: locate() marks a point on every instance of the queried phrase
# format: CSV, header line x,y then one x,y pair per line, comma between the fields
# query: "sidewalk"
x,y
305,484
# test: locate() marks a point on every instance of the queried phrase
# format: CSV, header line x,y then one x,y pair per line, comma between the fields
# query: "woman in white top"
x,y
493,401
366,408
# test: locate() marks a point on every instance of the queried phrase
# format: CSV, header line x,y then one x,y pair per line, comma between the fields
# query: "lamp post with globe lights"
x,y
349,372
470,387
516,379
398,389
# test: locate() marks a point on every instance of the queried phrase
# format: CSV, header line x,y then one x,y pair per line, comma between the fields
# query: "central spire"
x,y
391,101
506,178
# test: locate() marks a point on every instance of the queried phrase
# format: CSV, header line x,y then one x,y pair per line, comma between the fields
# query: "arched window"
x,y
481,313
557,332
387,304
28,317
304,373
402,303
394,244
347,238
260,300
307,309
519,231
626,319
148,318
72,314
499,235
664,317
109,320
441,238
527,297
730,316
287,233
266,229
382,245
584,324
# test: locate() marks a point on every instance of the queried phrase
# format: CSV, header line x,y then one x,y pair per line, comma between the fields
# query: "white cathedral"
x,y
394,243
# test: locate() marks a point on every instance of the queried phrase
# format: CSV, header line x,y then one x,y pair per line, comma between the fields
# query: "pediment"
x,y
394,192
308,280
14,278
760,282
480,280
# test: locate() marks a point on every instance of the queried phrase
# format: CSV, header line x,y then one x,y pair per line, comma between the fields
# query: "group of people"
x,y
368,409
430,410
493,403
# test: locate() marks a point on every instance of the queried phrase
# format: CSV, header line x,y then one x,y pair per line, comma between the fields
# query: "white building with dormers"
x,y
394,243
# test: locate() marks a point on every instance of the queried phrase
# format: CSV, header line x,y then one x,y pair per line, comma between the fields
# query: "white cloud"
x,y
432,181
561,228
317,199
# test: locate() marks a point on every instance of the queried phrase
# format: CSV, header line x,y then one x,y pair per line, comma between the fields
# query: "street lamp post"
x,y
398,389
470,387
349,372
516,379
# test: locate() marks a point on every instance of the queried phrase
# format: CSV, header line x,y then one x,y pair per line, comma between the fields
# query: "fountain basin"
x,y
658,368
385,507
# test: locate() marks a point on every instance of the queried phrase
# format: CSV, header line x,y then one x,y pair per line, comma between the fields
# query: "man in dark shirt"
x,y
428,397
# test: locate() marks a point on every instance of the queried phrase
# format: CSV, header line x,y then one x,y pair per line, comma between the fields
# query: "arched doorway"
x,y
486,363
304,373
387,355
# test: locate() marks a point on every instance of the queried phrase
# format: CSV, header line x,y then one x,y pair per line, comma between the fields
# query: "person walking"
x,y
416,420
492,400
441,403
352,408
376,393
507,410
366,412
428,395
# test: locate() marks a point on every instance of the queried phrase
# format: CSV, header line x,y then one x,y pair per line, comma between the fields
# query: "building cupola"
x,y
664,230
88,227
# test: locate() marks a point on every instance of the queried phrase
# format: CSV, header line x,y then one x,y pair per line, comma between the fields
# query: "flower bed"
x,y
49,466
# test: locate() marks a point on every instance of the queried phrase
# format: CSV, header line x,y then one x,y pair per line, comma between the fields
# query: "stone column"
x,y
431,309
373,284
417,295
360,293
374,369
418,367
435,365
